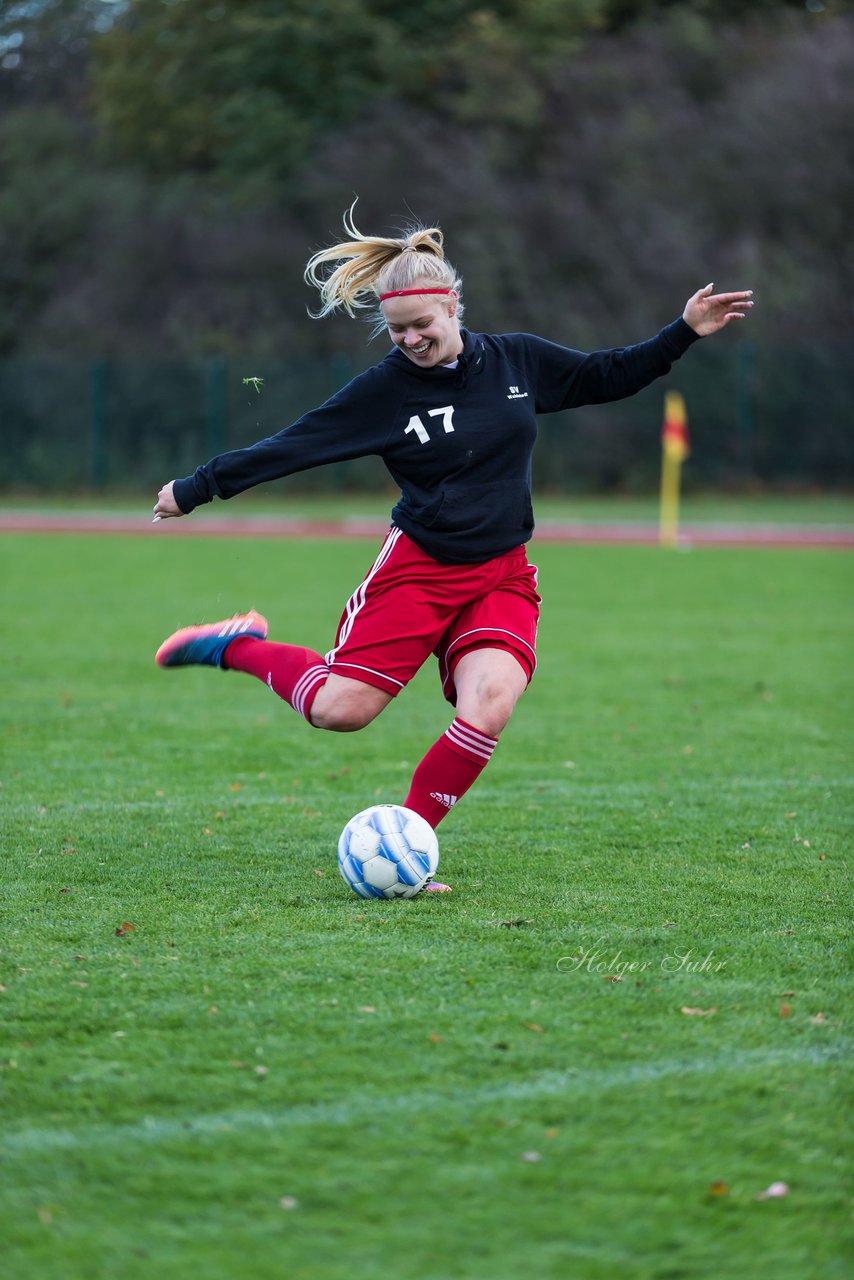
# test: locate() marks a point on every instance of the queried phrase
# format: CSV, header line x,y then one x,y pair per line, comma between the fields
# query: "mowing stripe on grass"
x,y
153,1129
589,786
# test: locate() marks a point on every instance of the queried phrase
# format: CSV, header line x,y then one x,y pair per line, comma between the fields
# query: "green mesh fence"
x,y
767,415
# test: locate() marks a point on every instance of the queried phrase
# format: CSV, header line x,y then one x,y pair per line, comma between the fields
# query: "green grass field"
x,y
266,1077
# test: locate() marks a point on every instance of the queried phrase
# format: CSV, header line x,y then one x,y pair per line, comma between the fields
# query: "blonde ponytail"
x,y
351,275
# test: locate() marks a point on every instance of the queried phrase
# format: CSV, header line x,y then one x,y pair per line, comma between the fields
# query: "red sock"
x,y
448,770
294,673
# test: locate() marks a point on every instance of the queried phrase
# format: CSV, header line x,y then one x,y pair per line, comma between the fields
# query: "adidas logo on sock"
x,y
446,800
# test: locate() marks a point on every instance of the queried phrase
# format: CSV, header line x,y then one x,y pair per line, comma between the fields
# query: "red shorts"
x,y
410,606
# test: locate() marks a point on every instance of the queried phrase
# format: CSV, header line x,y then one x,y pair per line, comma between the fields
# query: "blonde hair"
x,y
351,275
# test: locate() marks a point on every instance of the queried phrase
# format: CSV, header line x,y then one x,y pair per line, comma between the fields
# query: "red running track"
x,y
618,533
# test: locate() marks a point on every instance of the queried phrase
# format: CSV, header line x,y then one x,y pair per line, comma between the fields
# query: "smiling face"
x,y
425,327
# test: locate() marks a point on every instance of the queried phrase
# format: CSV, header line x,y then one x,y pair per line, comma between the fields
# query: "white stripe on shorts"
x,y
357,599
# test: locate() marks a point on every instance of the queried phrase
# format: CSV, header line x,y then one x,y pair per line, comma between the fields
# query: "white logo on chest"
x,y
516,394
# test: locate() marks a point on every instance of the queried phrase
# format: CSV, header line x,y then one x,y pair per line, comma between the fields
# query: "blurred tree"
x,y
580,194
45,46
244,88
46,204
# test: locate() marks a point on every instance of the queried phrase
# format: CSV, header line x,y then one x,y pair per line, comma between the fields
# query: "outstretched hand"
x,y
166,507
707,312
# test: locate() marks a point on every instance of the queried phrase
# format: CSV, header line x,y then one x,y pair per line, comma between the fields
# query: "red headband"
x,y
404,293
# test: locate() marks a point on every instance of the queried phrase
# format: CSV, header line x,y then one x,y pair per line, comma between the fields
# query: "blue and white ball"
x,y
388,852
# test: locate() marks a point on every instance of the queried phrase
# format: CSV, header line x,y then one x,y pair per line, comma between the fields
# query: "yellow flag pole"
x,y
668,522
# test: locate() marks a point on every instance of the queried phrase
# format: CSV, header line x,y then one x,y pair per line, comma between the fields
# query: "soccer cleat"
x,y
433,886
205,645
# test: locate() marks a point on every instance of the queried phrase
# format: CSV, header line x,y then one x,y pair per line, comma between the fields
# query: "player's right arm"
x,y
352,424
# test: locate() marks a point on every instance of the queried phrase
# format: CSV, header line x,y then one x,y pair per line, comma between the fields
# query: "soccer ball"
x,y
388,852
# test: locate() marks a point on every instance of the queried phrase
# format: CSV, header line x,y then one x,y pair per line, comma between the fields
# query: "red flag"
x,y
674,433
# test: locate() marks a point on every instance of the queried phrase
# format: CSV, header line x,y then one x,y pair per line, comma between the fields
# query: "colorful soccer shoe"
x,y
433,886
205,645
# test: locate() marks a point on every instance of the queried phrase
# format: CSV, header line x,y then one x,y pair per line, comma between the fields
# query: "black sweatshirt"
x,y
457,441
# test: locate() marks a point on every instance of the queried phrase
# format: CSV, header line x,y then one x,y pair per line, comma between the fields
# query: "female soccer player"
x,y
452,414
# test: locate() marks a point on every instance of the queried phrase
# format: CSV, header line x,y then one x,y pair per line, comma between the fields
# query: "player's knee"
x,y
345,715
490,708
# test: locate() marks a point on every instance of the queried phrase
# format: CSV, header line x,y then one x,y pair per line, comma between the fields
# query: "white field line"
x,y
570,1084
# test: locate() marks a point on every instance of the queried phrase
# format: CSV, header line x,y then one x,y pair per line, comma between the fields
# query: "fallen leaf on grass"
x,y
533,1026
785,1010
818,1019
718,1188
698,1013
616,977
125,927
775,1192
366,1008
434,1039
514,924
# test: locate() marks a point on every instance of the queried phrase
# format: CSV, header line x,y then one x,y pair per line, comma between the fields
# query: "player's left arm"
x,y
706,312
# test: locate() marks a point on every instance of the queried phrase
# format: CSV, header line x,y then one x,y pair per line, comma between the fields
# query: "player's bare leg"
x,y
489,683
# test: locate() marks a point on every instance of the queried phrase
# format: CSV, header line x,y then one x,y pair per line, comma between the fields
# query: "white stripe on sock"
x,y
471,740
306,684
